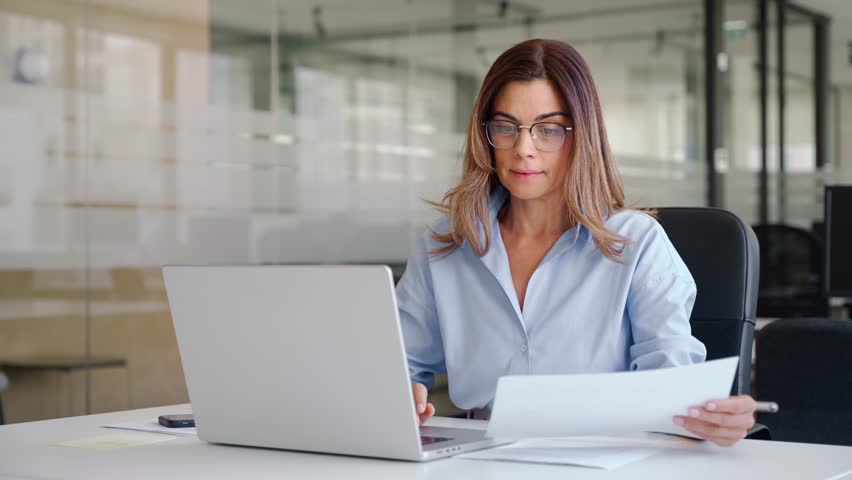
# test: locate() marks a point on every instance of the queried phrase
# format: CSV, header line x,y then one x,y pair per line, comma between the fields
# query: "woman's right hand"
x,y
423,408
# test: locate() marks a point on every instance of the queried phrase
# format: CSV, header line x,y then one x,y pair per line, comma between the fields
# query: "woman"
x,y
538,267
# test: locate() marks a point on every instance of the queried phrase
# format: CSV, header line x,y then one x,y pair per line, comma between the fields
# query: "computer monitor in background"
x,y
838,240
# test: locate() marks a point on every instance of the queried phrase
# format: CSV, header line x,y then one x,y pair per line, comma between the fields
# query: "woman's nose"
x,y
525,146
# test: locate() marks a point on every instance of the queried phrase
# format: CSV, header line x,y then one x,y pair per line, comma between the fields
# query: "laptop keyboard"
x,y
427,440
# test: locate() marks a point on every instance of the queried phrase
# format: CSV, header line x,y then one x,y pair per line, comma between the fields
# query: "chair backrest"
x,y
722,254
791,272
803,365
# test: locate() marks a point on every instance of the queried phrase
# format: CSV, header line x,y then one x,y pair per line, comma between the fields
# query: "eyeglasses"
x,y
546,136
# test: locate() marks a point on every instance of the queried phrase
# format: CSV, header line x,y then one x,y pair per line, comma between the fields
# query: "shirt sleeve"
x,y
659,303
419,321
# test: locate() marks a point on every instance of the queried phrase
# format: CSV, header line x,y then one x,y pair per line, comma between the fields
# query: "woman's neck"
x,y
535,218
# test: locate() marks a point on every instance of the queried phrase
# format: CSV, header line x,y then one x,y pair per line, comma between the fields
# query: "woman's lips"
x,y
526,174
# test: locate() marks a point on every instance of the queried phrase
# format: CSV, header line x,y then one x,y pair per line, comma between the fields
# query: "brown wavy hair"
x,y
593,188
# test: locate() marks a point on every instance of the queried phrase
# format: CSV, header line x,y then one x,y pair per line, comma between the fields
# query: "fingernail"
x,y
421,408
693,412
678,421
711,406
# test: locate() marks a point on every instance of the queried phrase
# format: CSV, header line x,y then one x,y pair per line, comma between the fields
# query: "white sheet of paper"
x,y
566,451
606,403
154,427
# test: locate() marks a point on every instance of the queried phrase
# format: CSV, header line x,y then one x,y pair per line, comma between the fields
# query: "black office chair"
x,y
722,254
803,365
791,272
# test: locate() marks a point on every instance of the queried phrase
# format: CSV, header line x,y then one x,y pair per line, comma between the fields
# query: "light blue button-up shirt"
x,y
583,313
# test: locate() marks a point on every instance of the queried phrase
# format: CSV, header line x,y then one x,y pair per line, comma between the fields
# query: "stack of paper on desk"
x,y
605,403
154,427
595,452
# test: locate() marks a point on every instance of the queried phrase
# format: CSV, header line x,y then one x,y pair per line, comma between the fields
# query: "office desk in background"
x,y
25,451
66,364
45,338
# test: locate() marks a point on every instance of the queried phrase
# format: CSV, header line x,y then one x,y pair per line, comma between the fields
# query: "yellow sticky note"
x,y
115,440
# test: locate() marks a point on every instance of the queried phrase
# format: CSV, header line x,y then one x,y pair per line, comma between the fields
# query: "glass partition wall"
x,y
369,117
793,175
267,132
92,146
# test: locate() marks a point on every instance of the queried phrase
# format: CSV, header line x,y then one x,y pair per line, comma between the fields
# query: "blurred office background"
x,y
136,134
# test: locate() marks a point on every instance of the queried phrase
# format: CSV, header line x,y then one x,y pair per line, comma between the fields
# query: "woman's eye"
x,y
504,130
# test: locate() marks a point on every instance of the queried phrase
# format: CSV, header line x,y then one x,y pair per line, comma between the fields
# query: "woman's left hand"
x,y
723,422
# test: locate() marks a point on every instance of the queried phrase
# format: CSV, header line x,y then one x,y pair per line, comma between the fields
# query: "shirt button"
x,y
524,348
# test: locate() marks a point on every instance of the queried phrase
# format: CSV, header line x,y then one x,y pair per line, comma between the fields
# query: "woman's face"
x,y
526,171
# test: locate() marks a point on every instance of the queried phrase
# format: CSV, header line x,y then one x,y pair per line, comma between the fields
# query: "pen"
x,y
766,407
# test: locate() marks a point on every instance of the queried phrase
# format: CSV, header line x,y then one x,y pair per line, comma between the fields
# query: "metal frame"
x,y
713,15
821,89
763,81
565,130
821,25
781,18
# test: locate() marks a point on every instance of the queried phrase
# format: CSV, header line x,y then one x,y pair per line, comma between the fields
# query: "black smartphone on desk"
x,y
177,421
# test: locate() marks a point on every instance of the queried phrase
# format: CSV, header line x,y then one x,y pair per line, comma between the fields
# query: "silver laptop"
x,y
302,358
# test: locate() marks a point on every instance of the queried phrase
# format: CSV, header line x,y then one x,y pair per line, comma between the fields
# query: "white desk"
x,y
25,451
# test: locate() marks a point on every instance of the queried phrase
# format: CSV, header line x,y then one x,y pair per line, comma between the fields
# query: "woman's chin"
x,y
526,192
